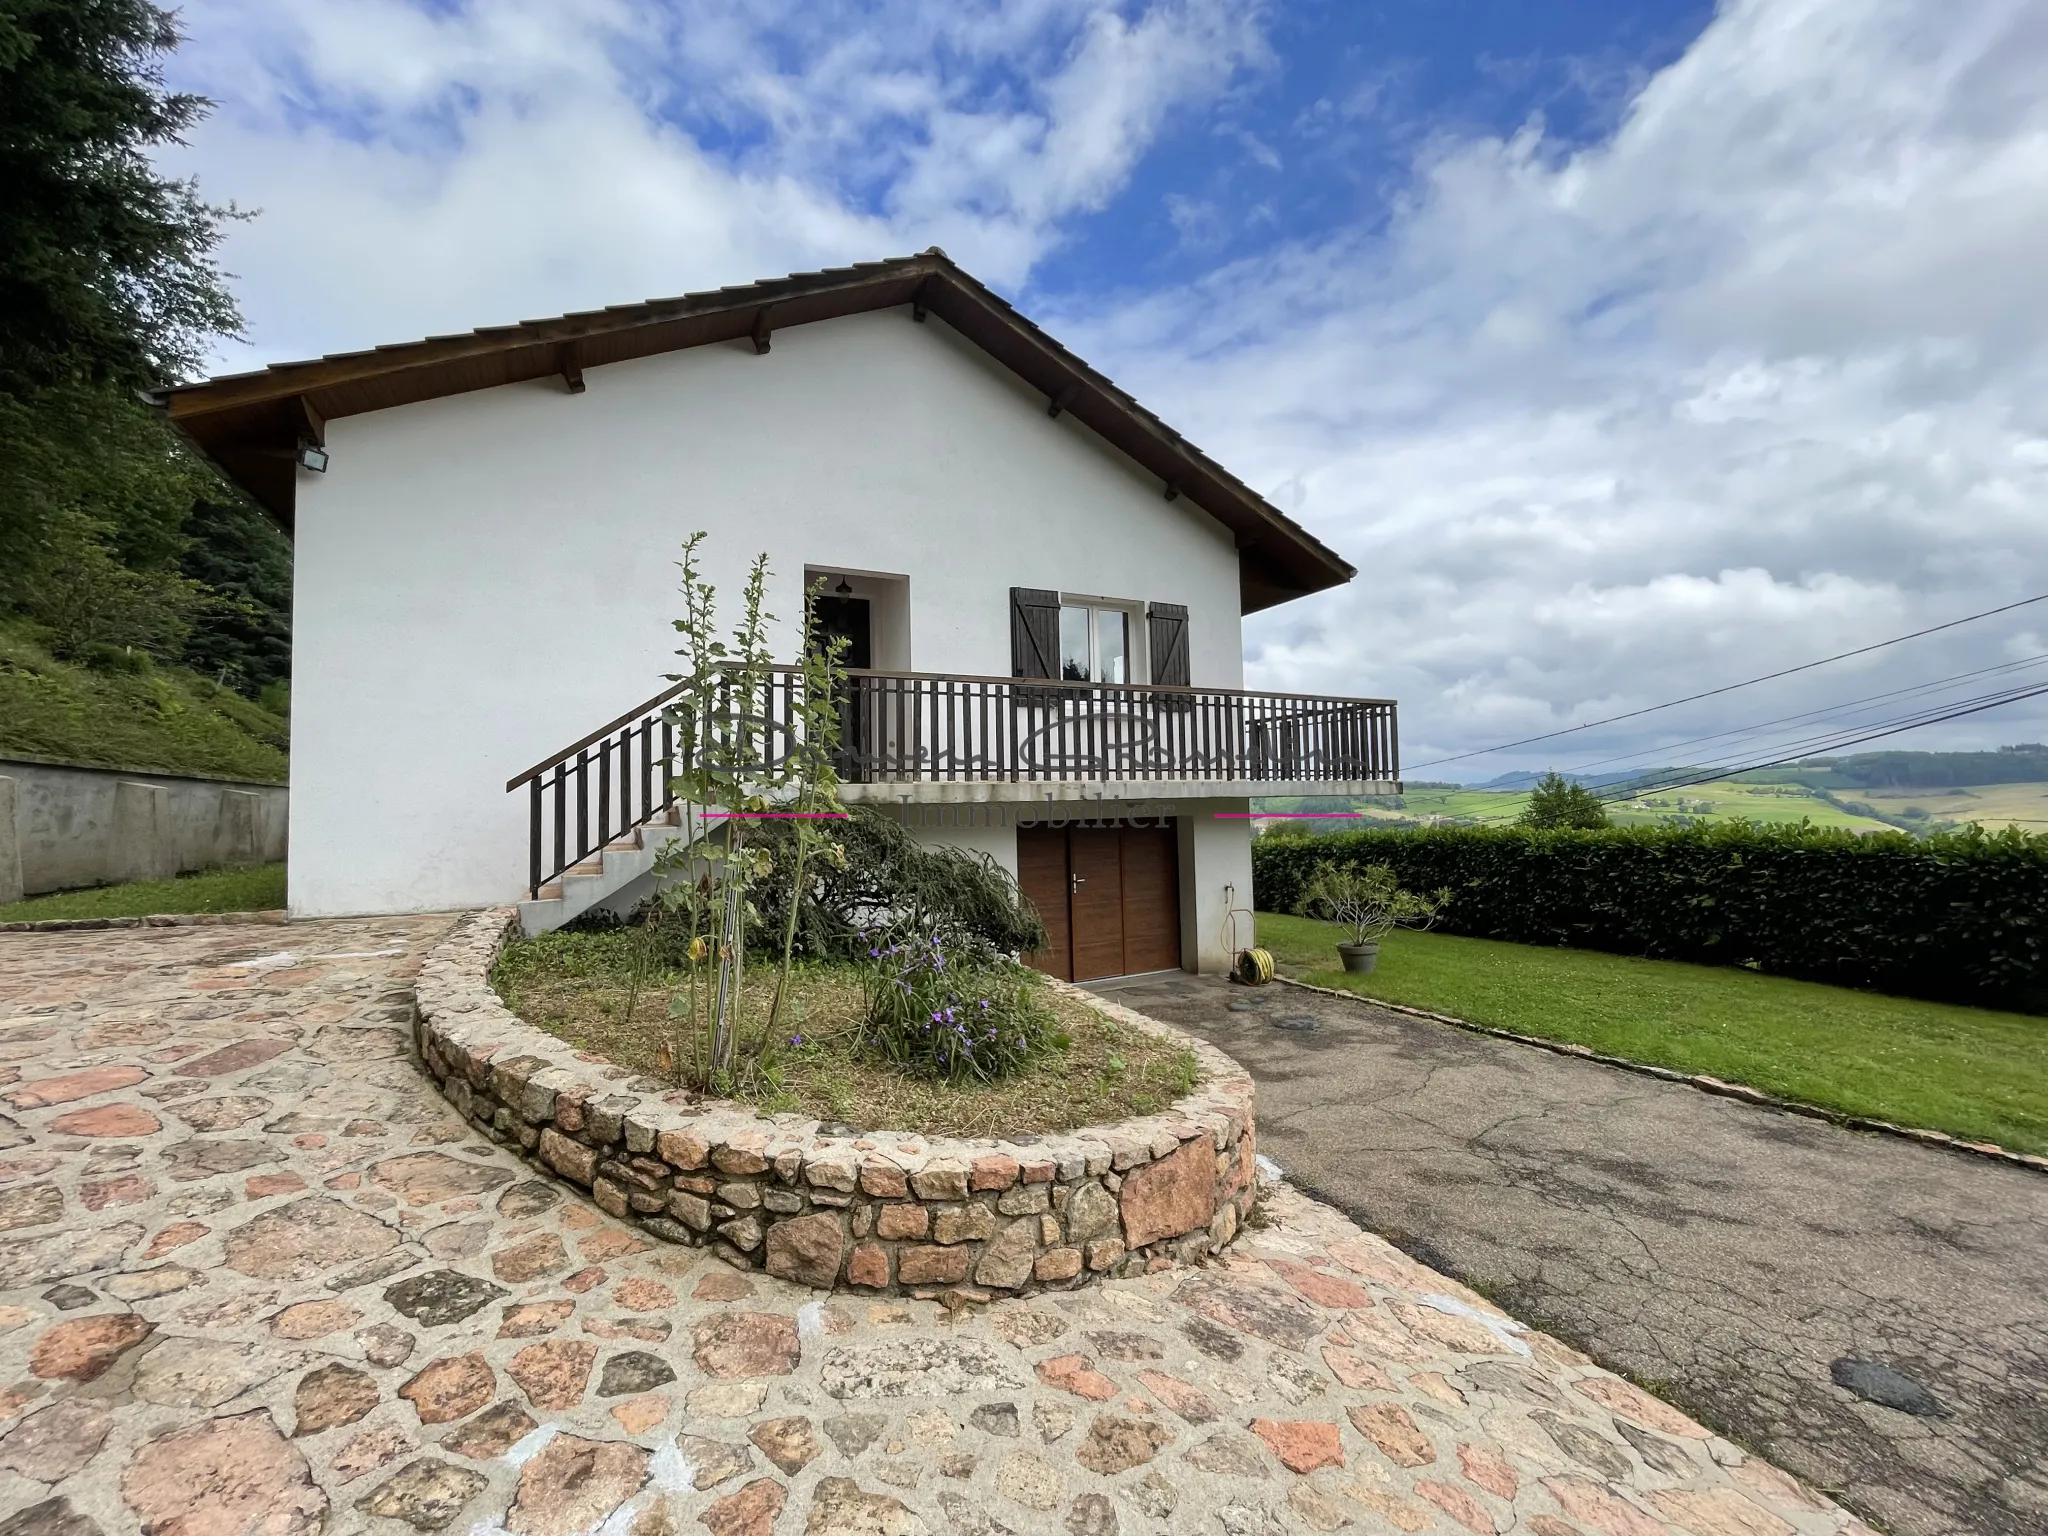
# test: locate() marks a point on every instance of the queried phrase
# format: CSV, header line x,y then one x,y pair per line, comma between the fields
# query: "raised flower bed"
x,y
881,1211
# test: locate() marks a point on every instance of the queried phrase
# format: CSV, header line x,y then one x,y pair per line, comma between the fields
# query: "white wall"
x,y
1216,877
485,578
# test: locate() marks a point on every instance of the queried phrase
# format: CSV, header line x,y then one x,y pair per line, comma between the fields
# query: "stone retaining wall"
x,y
881,1212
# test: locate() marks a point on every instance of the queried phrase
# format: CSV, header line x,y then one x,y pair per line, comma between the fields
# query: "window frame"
x,y
1135,636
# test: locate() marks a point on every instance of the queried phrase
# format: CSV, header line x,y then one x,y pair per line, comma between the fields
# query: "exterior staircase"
x,y
618,877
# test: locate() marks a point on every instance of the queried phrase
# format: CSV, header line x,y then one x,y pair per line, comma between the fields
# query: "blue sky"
x,y
1624,348
1325,136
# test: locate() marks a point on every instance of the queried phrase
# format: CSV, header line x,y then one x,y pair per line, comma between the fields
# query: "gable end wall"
x,y
482,579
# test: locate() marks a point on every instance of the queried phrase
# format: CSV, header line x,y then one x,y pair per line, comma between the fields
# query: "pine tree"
x,y
106,267
108,285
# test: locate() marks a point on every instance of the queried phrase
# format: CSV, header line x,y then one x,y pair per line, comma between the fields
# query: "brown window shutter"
x,y
1034,632
1167,630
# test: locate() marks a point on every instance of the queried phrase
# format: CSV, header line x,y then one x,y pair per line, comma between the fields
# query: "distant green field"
x,y
1720,801
1723,801
1990,806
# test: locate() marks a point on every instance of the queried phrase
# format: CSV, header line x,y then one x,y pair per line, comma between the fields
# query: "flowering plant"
x,y
939,1016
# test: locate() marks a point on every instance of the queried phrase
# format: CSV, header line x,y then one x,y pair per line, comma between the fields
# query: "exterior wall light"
x,y
312,457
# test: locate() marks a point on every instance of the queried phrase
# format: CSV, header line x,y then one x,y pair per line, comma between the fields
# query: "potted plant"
x,y
1371,903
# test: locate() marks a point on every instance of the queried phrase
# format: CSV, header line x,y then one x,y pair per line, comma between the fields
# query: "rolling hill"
x,y
1866,792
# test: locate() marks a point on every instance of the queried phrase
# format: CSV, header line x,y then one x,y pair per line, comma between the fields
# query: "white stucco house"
x,y
1042,585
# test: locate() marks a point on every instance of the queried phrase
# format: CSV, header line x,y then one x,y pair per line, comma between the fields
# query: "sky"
x,y
1626,349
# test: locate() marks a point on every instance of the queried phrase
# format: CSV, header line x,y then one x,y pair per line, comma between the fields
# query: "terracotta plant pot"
x,y
1359,959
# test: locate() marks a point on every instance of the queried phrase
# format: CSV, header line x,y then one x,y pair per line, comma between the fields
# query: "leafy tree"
x,y
80,451
106,267
95,609
108,284
1557,802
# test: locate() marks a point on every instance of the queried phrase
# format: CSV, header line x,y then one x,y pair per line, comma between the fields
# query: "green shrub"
x,y
1958,916
938,1016
874,875
115,659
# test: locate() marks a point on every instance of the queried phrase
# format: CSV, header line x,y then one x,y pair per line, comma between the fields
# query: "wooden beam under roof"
x,y
234,419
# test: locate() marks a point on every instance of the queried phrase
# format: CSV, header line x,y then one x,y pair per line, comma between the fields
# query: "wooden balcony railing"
x,y
928,727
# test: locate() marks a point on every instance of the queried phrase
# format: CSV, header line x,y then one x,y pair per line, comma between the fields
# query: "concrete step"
x,y
620,876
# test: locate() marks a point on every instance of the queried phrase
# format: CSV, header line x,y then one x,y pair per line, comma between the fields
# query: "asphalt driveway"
x,y
1739,1260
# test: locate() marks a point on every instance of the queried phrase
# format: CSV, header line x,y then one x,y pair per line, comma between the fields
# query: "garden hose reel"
x,y
1248,963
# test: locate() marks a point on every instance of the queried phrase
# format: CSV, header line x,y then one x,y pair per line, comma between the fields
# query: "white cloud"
x,y
1759,379
430,169
1762,376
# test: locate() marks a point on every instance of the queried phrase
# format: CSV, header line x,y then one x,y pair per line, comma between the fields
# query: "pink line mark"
x,y
781,815
1280,815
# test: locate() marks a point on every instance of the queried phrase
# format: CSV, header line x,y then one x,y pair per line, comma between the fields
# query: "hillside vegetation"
x,y
149,716
2023,763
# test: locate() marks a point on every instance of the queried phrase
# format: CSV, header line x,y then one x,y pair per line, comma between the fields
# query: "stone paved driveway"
x,y
256,1280
1732,1253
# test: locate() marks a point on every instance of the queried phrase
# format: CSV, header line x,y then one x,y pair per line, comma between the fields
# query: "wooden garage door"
x,y
1109,896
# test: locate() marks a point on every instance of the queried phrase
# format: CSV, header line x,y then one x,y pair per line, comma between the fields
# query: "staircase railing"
x,y
923,727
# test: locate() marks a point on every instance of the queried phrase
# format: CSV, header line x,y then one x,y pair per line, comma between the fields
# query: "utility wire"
x,y
1827,740
1651,782
1691,698
1708,775
1849,707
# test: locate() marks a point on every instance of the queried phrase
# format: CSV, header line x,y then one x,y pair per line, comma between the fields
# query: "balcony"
x,y
916,734
923,737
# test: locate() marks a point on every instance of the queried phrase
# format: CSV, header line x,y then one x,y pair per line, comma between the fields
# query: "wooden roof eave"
x,y
250,423
1304,564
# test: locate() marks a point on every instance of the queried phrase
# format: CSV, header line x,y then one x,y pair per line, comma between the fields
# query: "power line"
x,y
1850,706
1828,740
1708,775
1692,698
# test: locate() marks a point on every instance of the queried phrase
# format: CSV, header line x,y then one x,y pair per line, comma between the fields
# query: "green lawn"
x,y
1969,1071
257,889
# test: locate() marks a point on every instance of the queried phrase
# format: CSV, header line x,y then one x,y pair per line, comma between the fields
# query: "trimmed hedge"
x,y
1961,917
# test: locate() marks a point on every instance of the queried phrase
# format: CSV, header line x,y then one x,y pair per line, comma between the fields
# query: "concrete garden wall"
x,y
882,1212
62,827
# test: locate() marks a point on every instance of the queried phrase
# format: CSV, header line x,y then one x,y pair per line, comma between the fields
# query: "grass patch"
x,y
575,986
259,888
1972,1072
162,718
